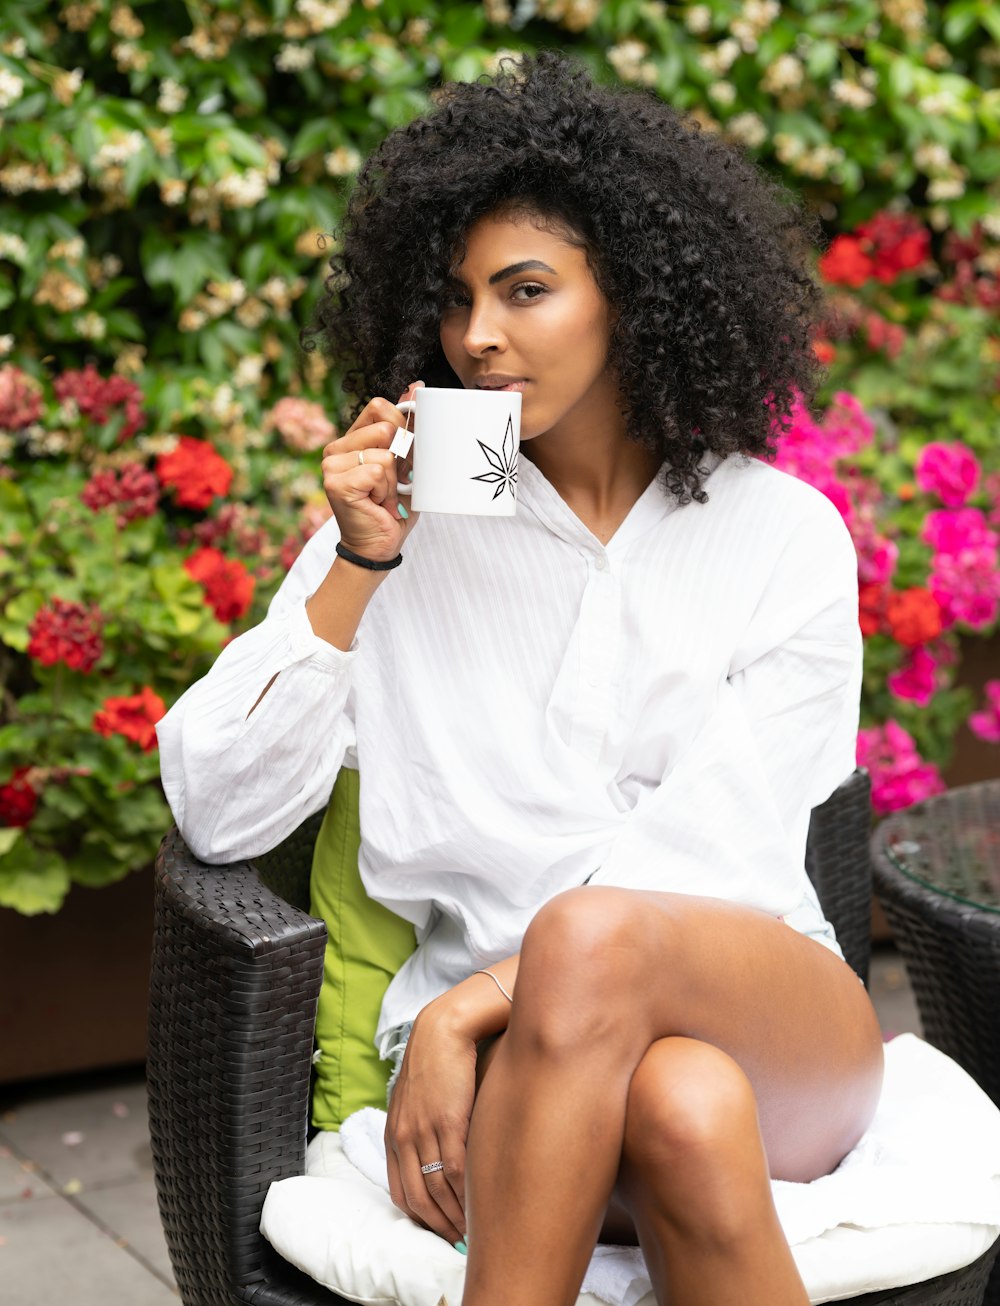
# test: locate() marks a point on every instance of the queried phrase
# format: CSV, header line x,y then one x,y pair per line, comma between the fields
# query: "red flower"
x,y
20,399
845,263
899,242
871,608
136,492
227,584
196,472
914,616
66,632
17,799
885,246
97,397
134,717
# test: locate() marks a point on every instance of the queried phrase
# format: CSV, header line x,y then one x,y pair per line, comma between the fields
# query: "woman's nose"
x,y
482,331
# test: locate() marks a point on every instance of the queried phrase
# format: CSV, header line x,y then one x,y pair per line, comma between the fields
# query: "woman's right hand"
x,y
363,495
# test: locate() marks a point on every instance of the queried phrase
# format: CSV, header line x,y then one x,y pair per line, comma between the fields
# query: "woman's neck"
x,y
594,466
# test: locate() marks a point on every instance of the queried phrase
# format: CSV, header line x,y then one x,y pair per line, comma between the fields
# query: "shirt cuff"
x,y
306,645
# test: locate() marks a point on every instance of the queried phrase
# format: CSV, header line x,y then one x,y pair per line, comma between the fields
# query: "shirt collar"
x,y
541,497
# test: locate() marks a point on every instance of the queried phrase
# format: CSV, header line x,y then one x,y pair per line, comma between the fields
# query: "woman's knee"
x,y
692,1141
580,975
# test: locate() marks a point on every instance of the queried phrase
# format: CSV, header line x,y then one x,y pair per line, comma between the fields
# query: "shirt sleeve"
x,y
239,779
731,816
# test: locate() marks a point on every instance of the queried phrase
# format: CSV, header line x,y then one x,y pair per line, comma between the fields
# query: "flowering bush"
x,y
170,177
123,570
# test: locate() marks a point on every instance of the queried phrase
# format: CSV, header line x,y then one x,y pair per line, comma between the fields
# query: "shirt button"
x,y
601,564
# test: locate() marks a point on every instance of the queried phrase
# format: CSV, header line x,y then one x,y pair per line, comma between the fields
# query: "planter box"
x,y
74,986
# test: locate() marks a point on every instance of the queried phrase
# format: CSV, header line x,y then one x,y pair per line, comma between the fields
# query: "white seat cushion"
x,y
919,1196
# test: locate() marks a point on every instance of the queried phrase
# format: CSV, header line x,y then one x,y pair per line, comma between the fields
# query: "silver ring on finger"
x,y
434,1165
361,456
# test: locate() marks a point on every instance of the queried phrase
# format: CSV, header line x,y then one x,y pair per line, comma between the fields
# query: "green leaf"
x,y
9,836
32,880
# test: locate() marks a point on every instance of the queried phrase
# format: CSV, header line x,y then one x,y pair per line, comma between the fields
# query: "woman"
x,y
590,735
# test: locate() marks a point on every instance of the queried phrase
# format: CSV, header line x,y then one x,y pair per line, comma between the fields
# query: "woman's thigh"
x,y
789,1011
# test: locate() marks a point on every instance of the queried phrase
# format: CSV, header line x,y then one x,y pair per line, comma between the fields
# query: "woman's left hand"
x,y
428,1120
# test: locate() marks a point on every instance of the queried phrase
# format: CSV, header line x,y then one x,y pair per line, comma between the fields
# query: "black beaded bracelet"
x,y
357,559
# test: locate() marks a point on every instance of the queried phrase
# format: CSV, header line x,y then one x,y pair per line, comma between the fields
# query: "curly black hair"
x,y
706,259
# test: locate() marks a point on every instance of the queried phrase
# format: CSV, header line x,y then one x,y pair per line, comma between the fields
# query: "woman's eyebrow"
x,y
529,264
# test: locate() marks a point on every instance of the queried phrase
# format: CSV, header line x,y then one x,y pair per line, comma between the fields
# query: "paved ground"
x,y
78,1218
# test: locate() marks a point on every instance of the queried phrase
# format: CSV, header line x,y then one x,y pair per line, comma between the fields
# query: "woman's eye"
x,y
533,286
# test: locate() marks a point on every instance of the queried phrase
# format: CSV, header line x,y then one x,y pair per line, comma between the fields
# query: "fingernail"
x,y
409,474
402,511
461,1247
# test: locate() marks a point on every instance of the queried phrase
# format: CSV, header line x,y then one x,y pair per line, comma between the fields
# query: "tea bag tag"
x,y
401,442
403,438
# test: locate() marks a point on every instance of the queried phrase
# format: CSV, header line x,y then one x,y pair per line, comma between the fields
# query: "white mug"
x,y
465,449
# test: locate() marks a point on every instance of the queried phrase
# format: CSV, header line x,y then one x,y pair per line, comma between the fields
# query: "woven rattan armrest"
x,y
235,980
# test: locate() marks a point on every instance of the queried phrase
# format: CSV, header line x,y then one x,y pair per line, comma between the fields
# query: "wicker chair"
x,y
237,968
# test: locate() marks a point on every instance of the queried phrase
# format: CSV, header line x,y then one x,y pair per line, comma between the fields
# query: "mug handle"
x,y
402,441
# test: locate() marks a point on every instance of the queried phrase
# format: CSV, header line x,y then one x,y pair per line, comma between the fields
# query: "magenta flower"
x,y
899,775
918,679
951,471
986,724
965,568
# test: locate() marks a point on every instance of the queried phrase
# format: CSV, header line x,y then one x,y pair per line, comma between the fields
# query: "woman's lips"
x,y
513,386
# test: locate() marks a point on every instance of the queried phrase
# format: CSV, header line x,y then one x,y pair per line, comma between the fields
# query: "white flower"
x,y
342,161
748,128
938,105
850,93
13,248
69,180
172,96
248,371
761,13
722,92
788,148
321,15
991,225
173,191
242,190
16,47
293,58
6,345
629,62
11,88
931,156
786,73
698,19
719,59
118,150
90,326
945,188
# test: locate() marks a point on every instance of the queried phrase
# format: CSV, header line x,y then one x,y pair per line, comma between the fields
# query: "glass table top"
x,y
951,844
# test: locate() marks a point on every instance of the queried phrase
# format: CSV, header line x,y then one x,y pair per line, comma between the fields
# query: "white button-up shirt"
x,y
531,710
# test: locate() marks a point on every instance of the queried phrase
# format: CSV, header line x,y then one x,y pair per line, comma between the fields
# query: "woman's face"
x,y
525,309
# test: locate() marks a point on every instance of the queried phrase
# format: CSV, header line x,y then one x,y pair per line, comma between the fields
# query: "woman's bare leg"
x,y
604,975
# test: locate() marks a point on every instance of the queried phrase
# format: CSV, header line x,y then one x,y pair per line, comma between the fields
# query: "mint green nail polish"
x,y
402,511
461,1247
409,474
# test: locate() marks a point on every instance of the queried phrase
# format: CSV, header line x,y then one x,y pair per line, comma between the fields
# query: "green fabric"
x,y
366,946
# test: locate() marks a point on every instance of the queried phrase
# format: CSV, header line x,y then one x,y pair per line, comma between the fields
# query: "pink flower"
x,y
877,557
899,775
986,724
302,424
918,679
951,471
20,398
965,568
